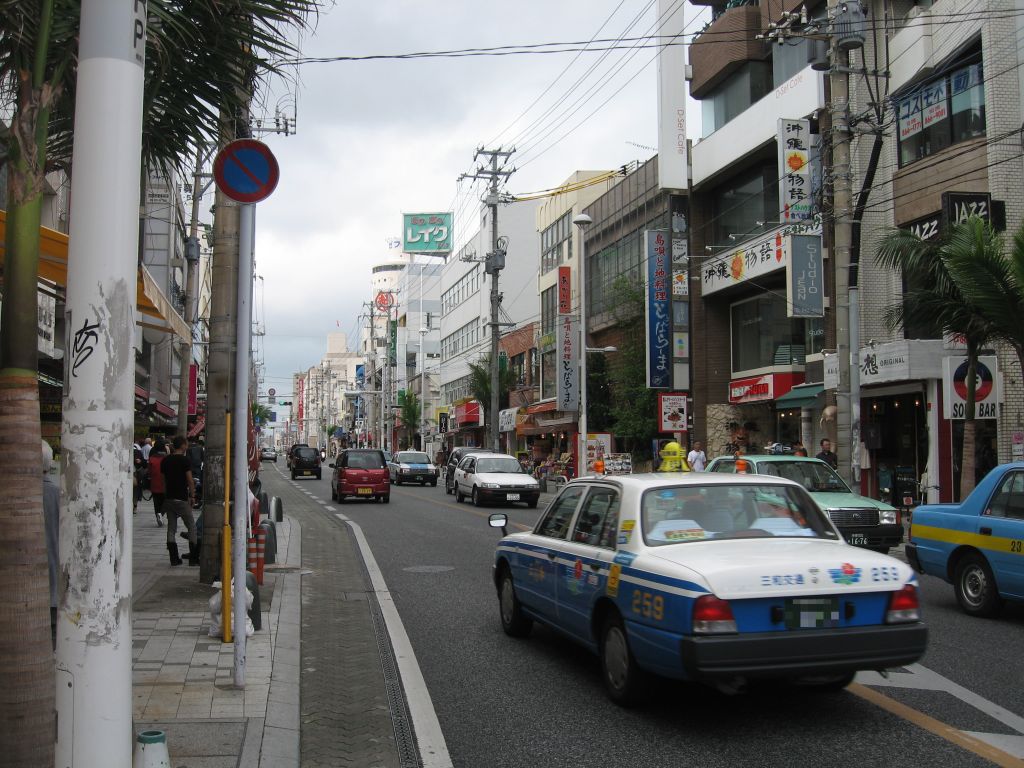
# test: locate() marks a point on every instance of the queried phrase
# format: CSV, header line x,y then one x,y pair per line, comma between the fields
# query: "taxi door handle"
x,y
986,531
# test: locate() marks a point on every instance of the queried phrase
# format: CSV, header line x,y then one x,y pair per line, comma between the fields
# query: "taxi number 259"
x,y
649,606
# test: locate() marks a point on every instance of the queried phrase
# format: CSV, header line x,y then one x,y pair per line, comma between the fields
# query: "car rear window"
x,y
412,458
688,513
367,460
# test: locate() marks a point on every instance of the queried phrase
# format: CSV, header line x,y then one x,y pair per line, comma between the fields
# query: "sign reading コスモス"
x,y
659,312
429,233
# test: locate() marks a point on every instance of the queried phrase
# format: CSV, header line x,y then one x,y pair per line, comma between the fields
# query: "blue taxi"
x,y
977,545
716,578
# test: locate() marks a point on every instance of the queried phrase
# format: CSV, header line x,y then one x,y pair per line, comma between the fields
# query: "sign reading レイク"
x,y
429,233
659,328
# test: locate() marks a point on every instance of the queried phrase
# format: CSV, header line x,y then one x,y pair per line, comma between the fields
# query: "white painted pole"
x,y
94,632
240,436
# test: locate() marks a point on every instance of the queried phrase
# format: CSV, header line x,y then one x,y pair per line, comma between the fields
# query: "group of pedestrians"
x,y
170,478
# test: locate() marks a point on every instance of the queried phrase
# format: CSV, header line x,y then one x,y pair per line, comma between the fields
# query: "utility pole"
x,y
94,618
191,265
494,263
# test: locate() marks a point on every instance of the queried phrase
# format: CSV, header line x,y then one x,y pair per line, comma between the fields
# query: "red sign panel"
x,y
467,413
756,389
564,290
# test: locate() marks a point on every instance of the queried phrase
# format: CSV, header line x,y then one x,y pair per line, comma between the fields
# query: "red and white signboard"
x,y
757,389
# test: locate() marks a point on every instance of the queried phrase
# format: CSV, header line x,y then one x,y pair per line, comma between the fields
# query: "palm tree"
x,y
993,281
935,300
201,60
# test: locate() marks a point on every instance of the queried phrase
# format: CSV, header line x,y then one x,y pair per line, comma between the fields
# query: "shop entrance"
x,y
894,430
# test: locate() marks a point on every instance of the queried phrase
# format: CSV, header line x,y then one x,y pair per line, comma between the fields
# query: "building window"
x,y
763,337
942,112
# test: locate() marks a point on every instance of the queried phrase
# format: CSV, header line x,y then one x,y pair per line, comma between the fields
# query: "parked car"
x,y
710,577
412,467
864,522
978,544
305,462
457,455
360,472
494,477
268,454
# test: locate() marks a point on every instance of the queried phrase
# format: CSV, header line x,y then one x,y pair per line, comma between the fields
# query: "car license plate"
x,y
364,491
512,497
858,539
812,612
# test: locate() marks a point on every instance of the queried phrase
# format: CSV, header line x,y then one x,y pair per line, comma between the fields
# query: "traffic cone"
x,y
151,750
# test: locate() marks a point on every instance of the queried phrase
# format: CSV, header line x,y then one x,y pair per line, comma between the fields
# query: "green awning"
x,y
800,396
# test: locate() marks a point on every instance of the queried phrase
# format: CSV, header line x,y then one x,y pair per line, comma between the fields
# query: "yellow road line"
x,y
939,728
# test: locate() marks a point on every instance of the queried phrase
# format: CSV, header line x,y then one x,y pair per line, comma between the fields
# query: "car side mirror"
x,y
499,520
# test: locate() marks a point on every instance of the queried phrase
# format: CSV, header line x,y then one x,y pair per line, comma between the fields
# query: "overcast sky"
x,y
378,138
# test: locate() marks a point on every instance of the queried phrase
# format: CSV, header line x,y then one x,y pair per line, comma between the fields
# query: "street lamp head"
x,y
582,220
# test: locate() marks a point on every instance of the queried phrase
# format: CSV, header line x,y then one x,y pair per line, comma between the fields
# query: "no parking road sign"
x,y
246,171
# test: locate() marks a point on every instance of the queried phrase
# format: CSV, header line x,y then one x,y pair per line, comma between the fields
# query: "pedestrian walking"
x,y
156,478
51,522
826,455
697,458
179,490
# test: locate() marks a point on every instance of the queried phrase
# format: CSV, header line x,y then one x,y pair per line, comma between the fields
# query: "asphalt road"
x,y
539,701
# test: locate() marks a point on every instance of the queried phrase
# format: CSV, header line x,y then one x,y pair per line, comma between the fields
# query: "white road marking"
x,y
923,679
433,748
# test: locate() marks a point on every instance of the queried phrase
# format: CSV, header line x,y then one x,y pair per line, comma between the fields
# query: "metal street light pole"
x,y
582,221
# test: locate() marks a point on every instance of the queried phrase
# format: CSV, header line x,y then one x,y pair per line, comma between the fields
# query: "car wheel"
x,y
476,497
976,586
623,679
513,621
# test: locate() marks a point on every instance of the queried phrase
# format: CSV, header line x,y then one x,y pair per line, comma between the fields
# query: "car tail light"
x,y
903,606
712,616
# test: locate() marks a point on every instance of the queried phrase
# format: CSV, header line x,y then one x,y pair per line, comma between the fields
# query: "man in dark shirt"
x,y
179,490
826,454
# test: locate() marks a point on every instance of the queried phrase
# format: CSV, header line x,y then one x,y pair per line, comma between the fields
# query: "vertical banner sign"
x,y
659,326
564,290
429,233
794,141
805,275
392,343
193,387
567,383
672,150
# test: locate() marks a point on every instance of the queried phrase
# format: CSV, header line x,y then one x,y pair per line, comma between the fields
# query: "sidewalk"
x,y
182,679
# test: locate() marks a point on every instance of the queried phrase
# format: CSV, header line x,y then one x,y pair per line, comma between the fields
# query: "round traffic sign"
x,y
385,301
984,384
246,171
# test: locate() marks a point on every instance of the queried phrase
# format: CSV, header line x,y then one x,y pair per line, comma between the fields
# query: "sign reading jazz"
x,y
429,233
567,384
805,277
986,389
659,314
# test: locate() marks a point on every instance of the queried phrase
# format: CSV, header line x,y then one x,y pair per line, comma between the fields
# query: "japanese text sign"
x,y
659,316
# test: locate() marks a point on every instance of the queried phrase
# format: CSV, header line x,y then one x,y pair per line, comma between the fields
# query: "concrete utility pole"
x,y
493,265
94,629
191,265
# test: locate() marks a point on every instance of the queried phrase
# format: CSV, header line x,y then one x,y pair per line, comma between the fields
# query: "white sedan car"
x,y
494,477
715,578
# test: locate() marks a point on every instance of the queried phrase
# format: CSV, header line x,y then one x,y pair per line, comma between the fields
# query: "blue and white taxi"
x,y
715,578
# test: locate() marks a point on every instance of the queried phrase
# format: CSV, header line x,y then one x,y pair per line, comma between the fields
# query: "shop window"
x,y
941,112
763,336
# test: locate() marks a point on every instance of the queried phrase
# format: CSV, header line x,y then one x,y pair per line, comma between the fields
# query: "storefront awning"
x,y
800,396
151,302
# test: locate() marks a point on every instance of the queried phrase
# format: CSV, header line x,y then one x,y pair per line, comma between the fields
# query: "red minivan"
x,y
360,472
